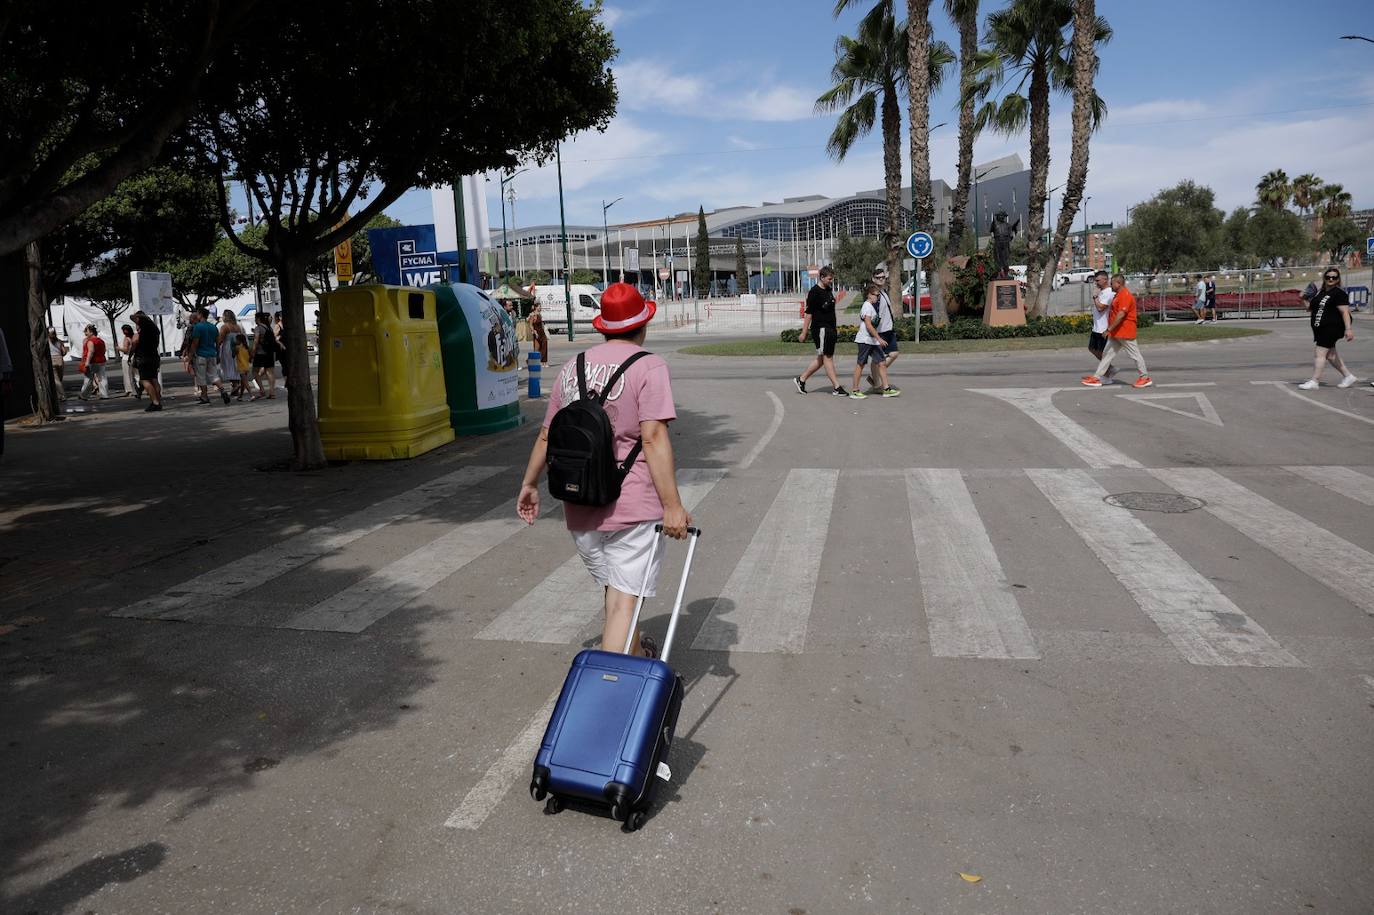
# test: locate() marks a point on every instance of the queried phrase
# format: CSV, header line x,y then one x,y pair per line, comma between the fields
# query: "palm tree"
x,y
1084,64
1335,201
1274,190
1307,190
870,70
964,13
1027,58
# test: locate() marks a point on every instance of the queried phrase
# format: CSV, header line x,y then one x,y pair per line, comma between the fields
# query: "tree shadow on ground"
x,y
88,879
106,715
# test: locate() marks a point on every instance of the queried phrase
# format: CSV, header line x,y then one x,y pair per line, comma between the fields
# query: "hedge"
x,y
969,329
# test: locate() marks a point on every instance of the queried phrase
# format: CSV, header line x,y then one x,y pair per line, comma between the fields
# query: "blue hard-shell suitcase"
x,y
613,724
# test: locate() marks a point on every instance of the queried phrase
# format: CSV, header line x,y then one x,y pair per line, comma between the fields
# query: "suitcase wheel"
x,y
539,783
553,805
635,820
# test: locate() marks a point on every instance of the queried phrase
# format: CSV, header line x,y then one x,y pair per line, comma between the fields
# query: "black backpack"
x,y
582,465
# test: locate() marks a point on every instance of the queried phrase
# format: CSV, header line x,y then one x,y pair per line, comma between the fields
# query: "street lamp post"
x,y
563,232
505,240
605,240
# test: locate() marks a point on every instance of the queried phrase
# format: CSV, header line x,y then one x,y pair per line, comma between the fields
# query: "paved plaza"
x,y
1094,650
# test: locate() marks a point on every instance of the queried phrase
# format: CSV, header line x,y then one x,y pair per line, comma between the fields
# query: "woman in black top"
x,y
148,359
1329,311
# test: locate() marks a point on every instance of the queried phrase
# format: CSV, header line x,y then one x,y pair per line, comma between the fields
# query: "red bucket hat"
x,y
623,309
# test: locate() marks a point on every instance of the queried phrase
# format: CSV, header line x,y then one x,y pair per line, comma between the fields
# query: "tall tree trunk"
x,y
918,113
1040,170
1084,69
968,47
44,394
300,393
892,173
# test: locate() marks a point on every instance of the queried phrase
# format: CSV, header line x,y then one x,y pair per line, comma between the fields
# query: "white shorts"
x,y
619,559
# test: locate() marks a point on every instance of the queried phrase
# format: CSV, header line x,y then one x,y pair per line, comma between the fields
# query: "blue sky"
x,y
716,108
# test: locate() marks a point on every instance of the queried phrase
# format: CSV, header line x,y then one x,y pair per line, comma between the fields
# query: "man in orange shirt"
x,y
1120,337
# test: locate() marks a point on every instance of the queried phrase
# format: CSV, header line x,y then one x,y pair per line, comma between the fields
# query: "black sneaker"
x,y
801,385
225,394
153,408
203,401
839,392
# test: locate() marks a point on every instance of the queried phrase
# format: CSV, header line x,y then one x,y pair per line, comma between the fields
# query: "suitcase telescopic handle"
x,y
694,531
695,535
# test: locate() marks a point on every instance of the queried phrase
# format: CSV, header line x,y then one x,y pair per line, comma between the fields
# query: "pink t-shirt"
x,y
642,393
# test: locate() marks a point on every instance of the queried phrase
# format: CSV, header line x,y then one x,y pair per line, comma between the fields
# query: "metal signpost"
x,y
919,245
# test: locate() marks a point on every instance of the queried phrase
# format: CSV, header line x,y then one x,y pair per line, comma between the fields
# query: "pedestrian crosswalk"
x,y
765,595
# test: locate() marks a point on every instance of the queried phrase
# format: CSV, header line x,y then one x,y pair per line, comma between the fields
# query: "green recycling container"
x,y
481,360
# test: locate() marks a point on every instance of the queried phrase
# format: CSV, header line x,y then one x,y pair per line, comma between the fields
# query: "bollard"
x,y
535,369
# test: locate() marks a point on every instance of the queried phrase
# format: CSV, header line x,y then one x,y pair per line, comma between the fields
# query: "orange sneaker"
x,y
1092,381
1142,382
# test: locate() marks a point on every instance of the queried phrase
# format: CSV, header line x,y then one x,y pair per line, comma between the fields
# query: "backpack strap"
x,y
638,446
582,375
610,384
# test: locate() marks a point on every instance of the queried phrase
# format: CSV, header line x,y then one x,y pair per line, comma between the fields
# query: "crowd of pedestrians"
x,y
222,356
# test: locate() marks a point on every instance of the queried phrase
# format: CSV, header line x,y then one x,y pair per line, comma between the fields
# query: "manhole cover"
x,y
1154,501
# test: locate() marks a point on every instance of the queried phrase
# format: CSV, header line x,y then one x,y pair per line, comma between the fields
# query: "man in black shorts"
x,y
819,323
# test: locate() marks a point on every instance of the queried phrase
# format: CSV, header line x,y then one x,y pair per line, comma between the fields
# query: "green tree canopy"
x,y
855,257
1273,233
1340,236
1179,228
701,265
91,93
321,162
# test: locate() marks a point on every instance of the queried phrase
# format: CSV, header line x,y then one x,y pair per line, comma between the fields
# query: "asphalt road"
x,y
920,641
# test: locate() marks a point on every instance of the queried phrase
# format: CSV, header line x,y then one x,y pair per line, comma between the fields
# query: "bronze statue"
x,y
1001,242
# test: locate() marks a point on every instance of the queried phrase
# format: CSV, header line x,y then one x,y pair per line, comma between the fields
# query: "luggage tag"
x,y
664,772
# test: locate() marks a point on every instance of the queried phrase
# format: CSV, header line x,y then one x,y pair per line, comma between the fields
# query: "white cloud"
x,y
646,85
1161,110
741,143
625,151
610,15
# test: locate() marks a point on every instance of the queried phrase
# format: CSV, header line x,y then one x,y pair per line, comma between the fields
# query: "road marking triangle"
x,y
1207,413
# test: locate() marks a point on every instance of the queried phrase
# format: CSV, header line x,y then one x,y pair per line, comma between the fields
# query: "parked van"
x,y
554,305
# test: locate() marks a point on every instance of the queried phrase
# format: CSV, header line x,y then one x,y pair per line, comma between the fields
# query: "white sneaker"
x,y
1309,385
1199,321
1347,381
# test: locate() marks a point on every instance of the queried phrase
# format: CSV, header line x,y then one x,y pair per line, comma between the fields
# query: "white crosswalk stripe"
x,y
767,601
398,583
189,600
769,595
1341,480
561,606
970,610
1334,561
1201,622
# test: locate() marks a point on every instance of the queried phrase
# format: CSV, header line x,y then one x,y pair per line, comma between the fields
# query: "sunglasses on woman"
x,y
1332,278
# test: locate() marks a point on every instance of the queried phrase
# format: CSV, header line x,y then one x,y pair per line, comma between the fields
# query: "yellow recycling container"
x,y
382,391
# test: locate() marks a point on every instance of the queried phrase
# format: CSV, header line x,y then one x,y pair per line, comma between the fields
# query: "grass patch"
x,y
1157,334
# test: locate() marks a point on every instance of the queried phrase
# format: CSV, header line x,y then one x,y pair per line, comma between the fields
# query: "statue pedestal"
x,y
1004,304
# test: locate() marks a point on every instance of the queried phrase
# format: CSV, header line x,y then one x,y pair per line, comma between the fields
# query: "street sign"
x,y
920,244
663,273
343,260
152,292
630,257
1369,249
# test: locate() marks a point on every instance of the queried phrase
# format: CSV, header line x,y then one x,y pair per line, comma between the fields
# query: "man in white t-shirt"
x,y
887,332
1200,299
1102,305
870,345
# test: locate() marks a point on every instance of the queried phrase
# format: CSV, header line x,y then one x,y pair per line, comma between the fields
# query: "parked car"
x,y
1077,275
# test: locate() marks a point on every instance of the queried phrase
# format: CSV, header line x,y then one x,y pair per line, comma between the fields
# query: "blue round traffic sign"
x,y
920,244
